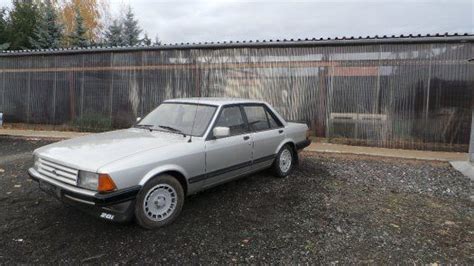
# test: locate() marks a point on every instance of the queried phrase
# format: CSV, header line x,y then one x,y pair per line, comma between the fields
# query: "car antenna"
x,y
194,121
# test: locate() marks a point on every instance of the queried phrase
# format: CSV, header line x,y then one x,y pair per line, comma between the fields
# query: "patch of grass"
x,y
92,123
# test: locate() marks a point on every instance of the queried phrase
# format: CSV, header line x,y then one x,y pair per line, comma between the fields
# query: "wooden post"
x,y
321,115
54,97
72,100
28,99
471,141
111,88
81,107
4,108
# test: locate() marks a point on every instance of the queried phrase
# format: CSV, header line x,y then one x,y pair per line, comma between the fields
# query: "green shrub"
x,y
92,123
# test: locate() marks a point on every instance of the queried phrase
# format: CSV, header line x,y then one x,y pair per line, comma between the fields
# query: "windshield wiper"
x,y
149,127
172,129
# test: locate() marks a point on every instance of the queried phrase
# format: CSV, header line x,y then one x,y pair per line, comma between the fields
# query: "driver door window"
x,y
231,156
231,117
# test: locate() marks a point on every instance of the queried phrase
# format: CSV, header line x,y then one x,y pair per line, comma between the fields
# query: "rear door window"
x,y
257,117
273,122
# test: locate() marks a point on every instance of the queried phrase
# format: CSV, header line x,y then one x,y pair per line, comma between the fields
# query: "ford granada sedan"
x,y
182,147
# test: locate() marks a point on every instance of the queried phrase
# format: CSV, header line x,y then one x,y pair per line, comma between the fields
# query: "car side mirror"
x,y
221,132
138,119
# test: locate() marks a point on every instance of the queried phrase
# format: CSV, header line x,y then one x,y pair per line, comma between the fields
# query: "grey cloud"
x,y
219,20
200,21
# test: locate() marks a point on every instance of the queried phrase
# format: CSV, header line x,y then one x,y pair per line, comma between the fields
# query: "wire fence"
x,y
413,95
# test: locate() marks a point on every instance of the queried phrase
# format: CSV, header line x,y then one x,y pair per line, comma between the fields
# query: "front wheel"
x,y
284,161
159,202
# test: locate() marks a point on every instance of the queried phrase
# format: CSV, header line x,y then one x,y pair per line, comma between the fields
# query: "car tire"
x,y
284,161
159,202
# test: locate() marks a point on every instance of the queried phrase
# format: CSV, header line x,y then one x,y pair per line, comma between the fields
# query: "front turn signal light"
x,y
106,184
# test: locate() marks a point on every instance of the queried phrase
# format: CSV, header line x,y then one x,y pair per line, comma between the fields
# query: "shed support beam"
x,y
471,141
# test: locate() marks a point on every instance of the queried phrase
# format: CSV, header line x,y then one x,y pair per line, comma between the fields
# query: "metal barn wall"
x,y
404,95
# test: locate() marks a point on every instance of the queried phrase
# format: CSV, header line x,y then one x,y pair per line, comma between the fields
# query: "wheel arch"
x,y
179,176
292,145
175,172
286,141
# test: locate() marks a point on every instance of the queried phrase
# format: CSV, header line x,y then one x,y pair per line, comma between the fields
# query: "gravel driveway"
x,y
333,208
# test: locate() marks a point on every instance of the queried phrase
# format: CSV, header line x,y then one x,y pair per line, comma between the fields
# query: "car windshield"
x,y
183,118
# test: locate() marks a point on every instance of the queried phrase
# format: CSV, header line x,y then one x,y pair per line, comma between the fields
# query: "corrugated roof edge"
x,y
410,38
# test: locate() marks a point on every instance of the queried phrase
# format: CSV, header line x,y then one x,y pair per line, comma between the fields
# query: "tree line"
x,y
52,24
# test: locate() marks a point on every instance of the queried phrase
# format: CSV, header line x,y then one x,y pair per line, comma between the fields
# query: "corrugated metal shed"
x,y
352,40
407,91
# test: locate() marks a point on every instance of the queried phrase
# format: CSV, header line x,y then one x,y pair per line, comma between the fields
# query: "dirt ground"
x,y
331,209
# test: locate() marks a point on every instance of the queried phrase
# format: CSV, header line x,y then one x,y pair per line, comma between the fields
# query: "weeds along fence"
x,y
414,93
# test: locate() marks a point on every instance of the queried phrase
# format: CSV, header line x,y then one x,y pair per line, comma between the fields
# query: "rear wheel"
x,y
159,202
284,161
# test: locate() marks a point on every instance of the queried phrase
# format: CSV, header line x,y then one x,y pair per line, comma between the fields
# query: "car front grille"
x,y
56,171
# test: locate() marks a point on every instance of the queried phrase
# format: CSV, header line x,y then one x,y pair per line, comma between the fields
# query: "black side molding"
x,y
264,159
202,177
221,171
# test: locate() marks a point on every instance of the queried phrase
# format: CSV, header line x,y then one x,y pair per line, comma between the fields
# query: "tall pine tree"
x,y
48,31
157,40
146,40
131,30
113,35
4,44
78,36
21,25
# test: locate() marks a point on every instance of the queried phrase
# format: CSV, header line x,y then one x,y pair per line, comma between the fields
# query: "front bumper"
x,y
115,206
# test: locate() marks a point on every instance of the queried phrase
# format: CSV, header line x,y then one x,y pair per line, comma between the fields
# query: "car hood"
x,y
93,151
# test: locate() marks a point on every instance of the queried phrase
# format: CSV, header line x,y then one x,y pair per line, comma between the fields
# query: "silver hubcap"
x,y
160,202
285,160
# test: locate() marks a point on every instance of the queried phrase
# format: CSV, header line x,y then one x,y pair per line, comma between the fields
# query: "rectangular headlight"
x,y
88,180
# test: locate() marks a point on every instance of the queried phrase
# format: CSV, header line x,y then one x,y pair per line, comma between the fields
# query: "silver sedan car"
x,y
182,147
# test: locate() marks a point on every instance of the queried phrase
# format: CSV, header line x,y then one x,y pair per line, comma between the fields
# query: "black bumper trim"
x,y
99,199
302,144
34,178
111,198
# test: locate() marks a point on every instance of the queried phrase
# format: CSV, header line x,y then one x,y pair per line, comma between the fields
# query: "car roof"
x,y
214,100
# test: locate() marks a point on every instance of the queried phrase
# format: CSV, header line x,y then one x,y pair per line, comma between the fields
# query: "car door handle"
x,y
280,131
246,137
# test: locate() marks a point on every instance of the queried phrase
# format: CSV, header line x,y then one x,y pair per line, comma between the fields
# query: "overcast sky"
x,y
219,20
223,20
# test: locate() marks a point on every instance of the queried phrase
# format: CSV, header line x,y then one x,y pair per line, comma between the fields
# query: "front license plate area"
x,y
50,189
